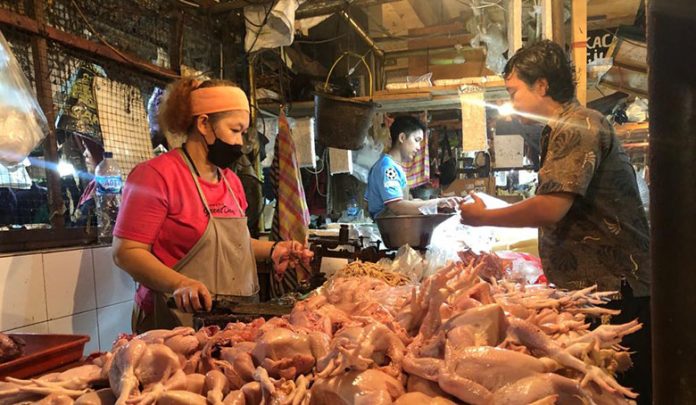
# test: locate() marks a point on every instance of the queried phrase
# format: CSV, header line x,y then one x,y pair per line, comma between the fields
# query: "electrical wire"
x,y
323,164
316,184
320,41
317,172
482,6
118,52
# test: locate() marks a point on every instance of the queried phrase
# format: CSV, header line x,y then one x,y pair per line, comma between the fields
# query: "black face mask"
x,y
223,154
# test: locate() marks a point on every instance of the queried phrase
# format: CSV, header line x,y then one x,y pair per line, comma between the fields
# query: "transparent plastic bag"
x,y
409,263
521,267
23,124
364,158
424,80
438,257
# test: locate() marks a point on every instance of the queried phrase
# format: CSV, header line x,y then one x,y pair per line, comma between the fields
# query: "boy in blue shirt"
x,y
387,190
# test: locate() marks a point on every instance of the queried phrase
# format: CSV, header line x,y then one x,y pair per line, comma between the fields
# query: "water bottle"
x,y
107,175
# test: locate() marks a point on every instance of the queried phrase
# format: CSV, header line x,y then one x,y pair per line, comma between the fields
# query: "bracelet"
x,y
270,254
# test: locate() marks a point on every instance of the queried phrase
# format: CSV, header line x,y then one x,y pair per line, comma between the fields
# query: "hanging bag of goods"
x,y
22,123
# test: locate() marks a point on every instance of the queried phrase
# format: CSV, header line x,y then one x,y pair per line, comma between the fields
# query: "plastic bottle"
x,y
108,195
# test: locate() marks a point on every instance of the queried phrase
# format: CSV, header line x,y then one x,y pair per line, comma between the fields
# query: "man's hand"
x,y
448,204
192,296
289,254
473,212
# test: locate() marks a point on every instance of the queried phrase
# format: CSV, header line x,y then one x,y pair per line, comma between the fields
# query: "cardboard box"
x,y
462,187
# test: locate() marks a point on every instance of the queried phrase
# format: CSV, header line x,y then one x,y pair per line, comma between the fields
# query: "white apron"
x,y
222,259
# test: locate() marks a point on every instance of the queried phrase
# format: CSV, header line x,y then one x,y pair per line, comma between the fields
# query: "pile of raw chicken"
x,y
452,338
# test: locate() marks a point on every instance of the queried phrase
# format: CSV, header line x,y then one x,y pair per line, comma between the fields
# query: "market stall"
x,y
299,202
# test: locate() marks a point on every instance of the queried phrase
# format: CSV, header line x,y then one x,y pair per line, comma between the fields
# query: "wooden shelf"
x,y
404,100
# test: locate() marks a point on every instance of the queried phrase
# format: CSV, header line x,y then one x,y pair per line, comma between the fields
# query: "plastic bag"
x,y
522,268
637,111
22,123
270,28
423,80
437,257
409,263
364,158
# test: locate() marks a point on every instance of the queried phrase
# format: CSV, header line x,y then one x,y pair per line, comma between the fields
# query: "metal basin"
x,y
412,230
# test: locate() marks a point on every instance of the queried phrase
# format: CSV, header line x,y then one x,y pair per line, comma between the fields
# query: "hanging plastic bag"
x,y
22,123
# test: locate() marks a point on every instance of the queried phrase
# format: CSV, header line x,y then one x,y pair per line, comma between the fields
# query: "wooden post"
x,y
547,19
579,47
514,26
39,48
558,23
176,41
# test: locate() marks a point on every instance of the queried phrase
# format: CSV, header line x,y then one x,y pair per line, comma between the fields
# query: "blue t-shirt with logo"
x,y
385,183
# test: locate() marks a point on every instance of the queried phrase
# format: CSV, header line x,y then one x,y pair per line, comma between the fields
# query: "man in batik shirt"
x,y
592,226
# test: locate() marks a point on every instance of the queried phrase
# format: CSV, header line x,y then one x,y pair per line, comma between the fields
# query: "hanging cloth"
x,y
418,169
291,217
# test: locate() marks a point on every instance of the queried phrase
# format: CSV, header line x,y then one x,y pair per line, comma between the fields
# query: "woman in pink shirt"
x,y
181,232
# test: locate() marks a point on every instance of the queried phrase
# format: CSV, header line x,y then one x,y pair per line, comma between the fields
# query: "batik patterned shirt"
x,y
604,237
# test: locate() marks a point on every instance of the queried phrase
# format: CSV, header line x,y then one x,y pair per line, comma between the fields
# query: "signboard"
x,y
598,43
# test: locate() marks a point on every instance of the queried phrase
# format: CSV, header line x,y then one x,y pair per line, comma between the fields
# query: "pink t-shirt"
x,y
161,206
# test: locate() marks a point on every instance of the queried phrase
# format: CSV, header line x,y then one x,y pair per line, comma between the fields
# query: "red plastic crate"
x,y
43,353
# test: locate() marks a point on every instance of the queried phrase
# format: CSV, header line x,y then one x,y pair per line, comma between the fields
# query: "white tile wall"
x,y
69,282
79,324
113,285
35,328
22,294
113,320
78,291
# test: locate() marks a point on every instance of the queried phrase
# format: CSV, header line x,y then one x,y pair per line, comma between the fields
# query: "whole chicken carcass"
x,y
73,382
418,398
154,367
371,387
362,347
284,353
532,337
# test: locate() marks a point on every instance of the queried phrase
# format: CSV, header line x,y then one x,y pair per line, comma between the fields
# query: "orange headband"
x,y
210,100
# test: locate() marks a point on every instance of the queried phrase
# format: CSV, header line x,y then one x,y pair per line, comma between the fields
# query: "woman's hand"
x,y
192,296
289,254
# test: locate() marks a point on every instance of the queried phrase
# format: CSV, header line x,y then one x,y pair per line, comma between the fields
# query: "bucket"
x,y
341,122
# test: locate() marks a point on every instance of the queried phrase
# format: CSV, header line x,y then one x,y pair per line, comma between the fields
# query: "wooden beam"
x,y
44,95
176,41
361,33
547,19
306,10
579,46
514,26
426,11
45,31
399,18
558,23
611,13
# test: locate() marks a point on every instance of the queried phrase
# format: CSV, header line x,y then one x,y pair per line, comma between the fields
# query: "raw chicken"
x,y
418,398
356,387
11,347
454,337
